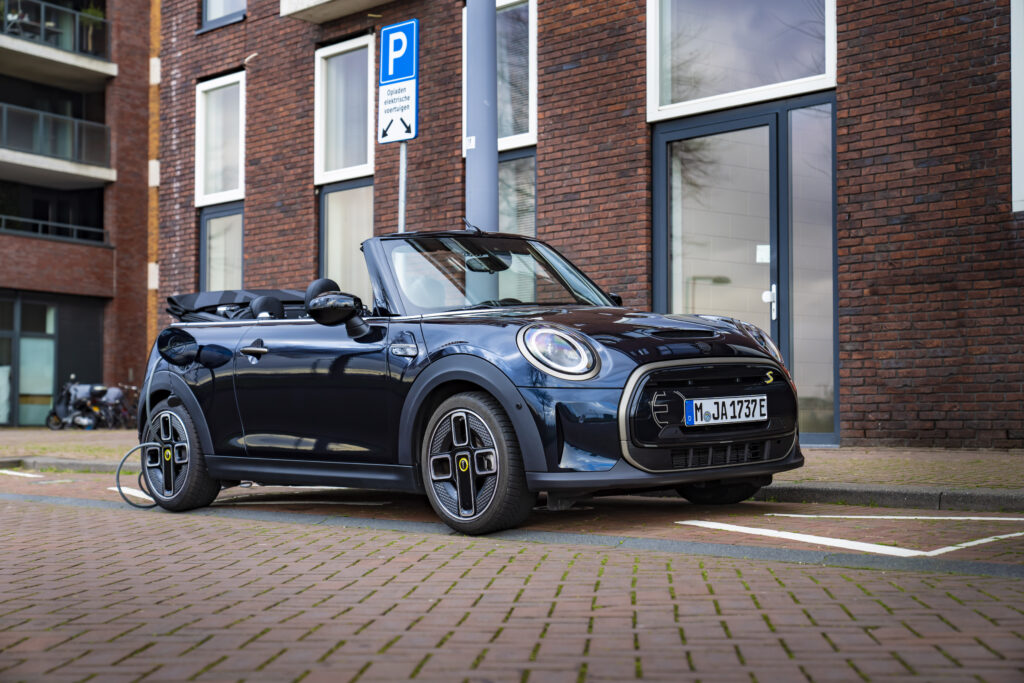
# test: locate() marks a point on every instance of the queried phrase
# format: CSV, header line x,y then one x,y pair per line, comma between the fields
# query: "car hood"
x,y
644,337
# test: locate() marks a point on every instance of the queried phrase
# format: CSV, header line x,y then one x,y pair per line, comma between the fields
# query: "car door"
x,y
310,392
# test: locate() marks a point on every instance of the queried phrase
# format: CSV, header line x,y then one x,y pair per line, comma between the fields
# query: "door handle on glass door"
x,y
771,296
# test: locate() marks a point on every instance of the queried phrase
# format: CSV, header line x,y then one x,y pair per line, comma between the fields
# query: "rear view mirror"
x,y
335,308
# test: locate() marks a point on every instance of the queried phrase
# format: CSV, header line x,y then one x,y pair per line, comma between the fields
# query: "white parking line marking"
x,y
927,518
55,481
807,538
131,492
21,474
843,543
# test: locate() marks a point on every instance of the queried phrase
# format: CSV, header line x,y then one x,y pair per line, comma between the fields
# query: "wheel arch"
x,y
455,374
164,384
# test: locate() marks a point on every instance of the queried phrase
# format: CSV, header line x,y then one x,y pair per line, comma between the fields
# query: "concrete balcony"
x,y
50,44
53,151
319,11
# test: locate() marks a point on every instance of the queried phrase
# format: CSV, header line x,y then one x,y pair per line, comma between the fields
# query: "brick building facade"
x,y
73,183
863,181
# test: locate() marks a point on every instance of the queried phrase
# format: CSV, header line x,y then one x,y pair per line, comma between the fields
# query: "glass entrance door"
x,y
744,227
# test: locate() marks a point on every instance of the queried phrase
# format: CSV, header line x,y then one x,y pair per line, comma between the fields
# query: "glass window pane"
x,y
345,122
348,222
813,251
220,156
35,380
517,196
215,9
224,252
6,315
5,381
720,234
711,48
513,36
37,318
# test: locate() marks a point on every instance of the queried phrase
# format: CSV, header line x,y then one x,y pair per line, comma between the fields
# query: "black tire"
x,y
472,467
718,493
54,422
175,472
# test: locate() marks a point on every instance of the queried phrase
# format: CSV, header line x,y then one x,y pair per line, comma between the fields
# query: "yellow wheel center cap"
x,y
167,454
463,464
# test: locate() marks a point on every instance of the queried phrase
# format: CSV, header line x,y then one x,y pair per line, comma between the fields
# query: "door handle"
x,y
771,296
256,350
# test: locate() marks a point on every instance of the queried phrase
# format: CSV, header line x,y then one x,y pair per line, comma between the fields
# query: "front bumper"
x,y
624,476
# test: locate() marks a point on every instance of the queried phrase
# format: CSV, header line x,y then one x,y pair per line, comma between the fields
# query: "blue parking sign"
x,y
399,46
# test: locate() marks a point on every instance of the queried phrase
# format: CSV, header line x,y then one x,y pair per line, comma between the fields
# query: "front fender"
x,y
166,381
465,368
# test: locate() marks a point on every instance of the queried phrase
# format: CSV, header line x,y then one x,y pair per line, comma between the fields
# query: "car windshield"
x,y
464,272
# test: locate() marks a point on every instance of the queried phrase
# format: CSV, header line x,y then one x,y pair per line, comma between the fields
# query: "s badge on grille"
x,y
768,377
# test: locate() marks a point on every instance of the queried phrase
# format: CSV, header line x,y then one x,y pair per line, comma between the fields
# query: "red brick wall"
x,y
125,201
593,142
40,265
931,260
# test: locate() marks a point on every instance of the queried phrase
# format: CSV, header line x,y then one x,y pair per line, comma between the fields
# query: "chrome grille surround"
x,y
709,451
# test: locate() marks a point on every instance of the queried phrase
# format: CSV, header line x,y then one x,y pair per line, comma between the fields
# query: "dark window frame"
x,y
775,115
205,215
325,190
16,334
227,19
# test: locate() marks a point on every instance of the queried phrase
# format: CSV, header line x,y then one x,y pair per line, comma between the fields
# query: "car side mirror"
x,y
616,299
177,347
335,308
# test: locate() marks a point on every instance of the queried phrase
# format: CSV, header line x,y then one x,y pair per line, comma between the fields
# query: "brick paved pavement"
x,y
128,595
620,516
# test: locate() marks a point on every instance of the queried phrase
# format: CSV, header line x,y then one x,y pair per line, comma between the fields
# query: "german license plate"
x,y
699,412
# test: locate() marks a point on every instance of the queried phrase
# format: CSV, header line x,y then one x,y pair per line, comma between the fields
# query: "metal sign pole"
x,y
401,187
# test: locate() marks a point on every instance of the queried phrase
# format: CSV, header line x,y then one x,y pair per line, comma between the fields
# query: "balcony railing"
x,y
65,231
56,26
62,137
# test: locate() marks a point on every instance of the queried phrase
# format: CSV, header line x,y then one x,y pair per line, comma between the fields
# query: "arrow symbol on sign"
x,y
384,134
408,128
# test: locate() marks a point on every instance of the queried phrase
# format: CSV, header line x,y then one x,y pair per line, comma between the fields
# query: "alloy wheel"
x,y
166,463
463,464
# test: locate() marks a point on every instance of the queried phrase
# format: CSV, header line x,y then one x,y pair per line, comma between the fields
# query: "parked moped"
x,y
78,405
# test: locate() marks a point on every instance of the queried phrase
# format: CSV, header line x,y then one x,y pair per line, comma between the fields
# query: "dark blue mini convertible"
x,y
486,370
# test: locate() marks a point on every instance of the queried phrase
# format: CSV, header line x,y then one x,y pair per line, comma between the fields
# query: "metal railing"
x,y
66,231
65,29
52,135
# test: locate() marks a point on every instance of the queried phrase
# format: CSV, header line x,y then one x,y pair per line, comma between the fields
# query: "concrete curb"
x,y
895,496
889,496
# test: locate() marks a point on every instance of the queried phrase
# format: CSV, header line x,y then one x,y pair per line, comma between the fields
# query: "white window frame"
x,y
658,112
237,194
1017,104
321,176
528,138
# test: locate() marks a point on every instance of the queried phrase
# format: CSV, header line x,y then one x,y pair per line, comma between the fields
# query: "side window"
x,y
220,140
343,111
220,248
346,220
222,12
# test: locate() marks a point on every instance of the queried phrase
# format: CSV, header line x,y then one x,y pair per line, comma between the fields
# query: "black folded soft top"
x,y
230,304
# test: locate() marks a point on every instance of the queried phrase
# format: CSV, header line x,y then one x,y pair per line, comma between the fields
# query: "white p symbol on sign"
x,y
396,48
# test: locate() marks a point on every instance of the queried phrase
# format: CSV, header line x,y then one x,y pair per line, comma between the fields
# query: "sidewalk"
x,y
936,478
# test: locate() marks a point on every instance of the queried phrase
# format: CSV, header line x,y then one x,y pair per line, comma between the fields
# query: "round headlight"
x,y
558,352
